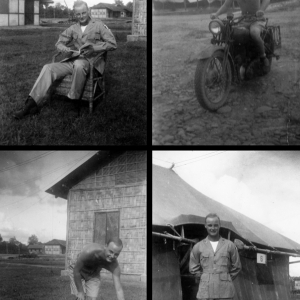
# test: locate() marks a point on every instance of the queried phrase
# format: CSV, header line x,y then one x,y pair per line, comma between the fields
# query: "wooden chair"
x,y
94,87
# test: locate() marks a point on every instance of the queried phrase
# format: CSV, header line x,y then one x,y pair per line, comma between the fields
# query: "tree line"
x,y
13,246
61,11
201,4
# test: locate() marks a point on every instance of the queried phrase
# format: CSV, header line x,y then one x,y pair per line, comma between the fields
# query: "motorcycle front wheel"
x,y
212,83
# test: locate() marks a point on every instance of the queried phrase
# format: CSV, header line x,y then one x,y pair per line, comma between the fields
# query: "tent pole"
x,y
168,236
241,246
294,262
272,252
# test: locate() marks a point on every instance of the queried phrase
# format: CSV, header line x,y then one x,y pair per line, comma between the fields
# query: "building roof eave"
x,y
65,183
46,1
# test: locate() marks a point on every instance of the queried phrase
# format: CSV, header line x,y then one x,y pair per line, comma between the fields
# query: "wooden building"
x,y
20,12
38,249
105,10
176,202
55,247
107,197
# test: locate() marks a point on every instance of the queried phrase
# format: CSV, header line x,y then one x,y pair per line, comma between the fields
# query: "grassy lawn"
x,y
34,283
40,260
119,120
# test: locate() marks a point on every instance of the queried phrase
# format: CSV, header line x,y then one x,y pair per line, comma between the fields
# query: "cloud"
x,y
7,230
54,202
62,211
18,180
5,224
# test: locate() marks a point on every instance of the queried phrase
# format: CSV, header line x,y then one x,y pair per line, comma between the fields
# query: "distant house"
x,y
55,247
104,11
36,249
20,12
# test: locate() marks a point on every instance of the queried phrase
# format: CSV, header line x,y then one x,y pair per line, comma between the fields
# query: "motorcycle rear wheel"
x,y
211,85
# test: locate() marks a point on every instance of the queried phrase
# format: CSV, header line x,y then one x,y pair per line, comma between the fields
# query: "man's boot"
x,y
30,108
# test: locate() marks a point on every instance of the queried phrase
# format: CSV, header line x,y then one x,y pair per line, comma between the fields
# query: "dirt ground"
x,y
263,111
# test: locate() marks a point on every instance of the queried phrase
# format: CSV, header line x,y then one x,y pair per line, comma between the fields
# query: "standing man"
x,y
85,272
89,36
216,261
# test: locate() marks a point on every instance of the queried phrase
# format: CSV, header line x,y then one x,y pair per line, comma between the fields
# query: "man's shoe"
x,y
30,108
265,64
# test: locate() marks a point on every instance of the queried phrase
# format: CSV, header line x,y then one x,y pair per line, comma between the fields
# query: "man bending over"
x,y
85,273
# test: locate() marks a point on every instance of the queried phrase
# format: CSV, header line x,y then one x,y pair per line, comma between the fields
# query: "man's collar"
x,y
221,239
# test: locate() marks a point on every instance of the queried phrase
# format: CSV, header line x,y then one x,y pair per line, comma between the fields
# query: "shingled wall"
x,y
119,185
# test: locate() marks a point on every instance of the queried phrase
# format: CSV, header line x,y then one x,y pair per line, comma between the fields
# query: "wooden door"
x,y
29,12
106,226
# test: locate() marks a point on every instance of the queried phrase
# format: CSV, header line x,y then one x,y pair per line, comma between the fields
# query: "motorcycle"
x,y
232,57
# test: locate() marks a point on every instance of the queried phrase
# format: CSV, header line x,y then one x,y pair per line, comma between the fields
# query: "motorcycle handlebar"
x,y
240,18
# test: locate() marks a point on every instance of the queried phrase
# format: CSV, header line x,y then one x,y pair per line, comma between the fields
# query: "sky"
x,y
25,207
263,185
90,3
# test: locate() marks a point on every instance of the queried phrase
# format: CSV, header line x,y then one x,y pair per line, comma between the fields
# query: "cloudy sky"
x,y
25,208
90,3
263,185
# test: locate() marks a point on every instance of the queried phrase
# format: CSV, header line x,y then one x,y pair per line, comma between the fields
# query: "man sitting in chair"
x,y
91,38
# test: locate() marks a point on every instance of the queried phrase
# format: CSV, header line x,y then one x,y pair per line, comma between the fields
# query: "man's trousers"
x,y
78,68
255,29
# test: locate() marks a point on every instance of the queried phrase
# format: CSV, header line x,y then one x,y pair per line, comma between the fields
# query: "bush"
x,y
31,255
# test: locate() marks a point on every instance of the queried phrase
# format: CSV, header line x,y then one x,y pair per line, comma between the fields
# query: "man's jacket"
x,y
96,34
216,269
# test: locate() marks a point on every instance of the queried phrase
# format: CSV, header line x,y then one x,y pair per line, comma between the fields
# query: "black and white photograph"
x,y
73,72
225,225
73,225
226,72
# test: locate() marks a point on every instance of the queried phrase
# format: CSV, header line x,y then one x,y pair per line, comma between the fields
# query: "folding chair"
x,y
94,87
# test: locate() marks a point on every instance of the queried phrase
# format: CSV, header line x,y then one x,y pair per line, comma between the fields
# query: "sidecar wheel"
x,y
211,86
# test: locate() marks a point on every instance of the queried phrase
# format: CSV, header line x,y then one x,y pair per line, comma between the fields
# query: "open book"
x,y
83,47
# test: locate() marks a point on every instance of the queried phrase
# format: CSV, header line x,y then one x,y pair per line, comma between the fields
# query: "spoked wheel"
x,y
212,83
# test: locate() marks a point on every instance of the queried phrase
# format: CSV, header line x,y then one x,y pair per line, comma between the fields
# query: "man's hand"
x,y
117,283
259,14
87,51
64,49
80,296
213,16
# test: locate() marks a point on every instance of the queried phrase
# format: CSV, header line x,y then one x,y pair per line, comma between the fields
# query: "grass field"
x,y
119,120
35,283
46,260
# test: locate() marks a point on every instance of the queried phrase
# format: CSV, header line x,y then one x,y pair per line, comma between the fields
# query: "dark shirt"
x,y
92,268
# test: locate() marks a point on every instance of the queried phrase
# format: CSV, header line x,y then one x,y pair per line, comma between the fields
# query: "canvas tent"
x,y
177,203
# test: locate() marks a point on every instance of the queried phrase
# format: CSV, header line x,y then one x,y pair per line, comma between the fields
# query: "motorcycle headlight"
x,y
216,26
